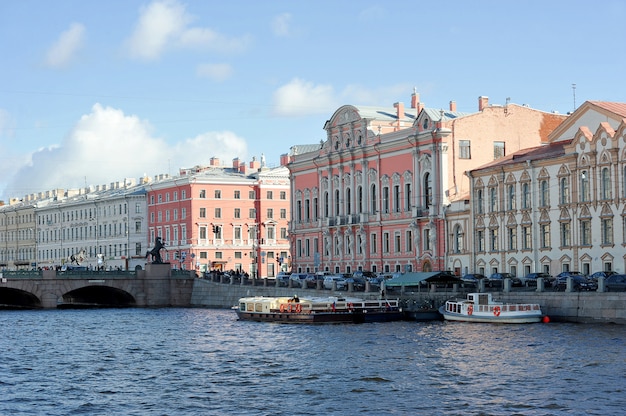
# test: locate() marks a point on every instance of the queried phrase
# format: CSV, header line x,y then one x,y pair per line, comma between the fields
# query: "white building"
x,y
105,226
551,208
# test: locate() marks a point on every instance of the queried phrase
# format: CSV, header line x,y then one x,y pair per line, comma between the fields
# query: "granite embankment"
x,y
581,307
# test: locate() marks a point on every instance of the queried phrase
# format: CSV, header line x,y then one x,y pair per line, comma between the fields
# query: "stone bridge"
x,y
156,286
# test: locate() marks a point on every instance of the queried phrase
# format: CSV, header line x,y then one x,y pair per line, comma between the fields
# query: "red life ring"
x,y
496,311
350,306
470,309
298,308
282,307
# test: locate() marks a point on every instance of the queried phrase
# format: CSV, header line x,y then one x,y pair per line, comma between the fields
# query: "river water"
x,y
205,362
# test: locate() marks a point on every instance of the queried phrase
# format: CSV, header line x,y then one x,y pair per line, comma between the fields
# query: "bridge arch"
x,y
97,296
11,298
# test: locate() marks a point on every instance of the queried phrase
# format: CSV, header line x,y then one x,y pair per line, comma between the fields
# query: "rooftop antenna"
x,y
574,92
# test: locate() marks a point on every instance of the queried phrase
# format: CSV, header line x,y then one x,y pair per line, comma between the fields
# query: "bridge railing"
x,y
71,274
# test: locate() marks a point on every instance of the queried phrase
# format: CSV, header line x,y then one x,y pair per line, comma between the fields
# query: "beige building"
x,y
550,208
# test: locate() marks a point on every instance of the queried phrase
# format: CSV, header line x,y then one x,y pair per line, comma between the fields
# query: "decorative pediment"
x,y
493,221
606,211
563,170
324,182
544,216
480,223
384,180
510,179
347,179
493,181
395,178
298,194
511,220
480,184
525,177
526,218
605,158
527,260
408,176
543,174
358,176
336,181
583,160
564,216
372,175
584,212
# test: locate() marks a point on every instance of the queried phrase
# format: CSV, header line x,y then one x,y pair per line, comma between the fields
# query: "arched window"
x,y
348,201
584,186
337,202
493,200
526,196
564,190
374,202
326,205
606,183
458,239
359,199
479,201
545,194
428,190
511,197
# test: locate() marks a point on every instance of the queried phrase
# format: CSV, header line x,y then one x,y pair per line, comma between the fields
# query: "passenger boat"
x,y
315,310
480,307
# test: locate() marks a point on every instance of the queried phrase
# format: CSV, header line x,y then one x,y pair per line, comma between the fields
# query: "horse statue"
x,y
77,258
156,251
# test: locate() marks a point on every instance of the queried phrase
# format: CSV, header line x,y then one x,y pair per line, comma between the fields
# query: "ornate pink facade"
x,y
373,195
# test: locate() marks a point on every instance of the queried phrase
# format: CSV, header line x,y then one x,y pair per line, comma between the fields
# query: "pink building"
x,y
373,195
224,218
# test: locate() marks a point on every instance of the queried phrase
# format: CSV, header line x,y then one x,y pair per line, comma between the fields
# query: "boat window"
x,y
242,306
258,307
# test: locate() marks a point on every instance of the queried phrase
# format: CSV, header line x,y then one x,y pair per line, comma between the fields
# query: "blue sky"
x,y
92,92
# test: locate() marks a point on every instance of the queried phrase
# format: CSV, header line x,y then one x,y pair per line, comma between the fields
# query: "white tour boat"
x,y
330,309
480,307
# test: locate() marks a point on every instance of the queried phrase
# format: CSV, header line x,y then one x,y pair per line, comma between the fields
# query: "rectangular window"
x,y
585,232
493,239
202,193
498,150
397,242
385,242
237,195
218,212
251,195
183,213
464,149
237,213
202,213
480,241
252,213
373,244
407,197
526,238
426,239
607,231
396,198
409,241
283,213
566,235
512,238
218,194
270,213
270,195
283,195
545,235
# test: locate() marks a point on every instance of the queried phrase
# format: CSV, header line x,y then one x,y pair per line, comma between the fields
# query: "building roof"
x,y
616,108
547,151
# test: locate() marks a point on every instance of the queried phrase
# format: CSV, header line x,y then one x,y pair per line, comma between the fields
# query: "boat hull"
x,y
354,317
528,318
424,315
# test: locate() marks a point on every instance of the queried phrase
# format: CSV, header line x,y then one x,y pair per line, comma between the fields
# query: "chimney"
x,y
483,102
255,165
236,163
399,110
284,159
453,106
415,99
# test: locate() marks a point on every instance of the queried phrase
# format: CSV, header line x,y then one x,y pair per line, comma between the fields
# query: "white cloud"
x,y
63,51
298,98
164,24
216,72
106,146
280,24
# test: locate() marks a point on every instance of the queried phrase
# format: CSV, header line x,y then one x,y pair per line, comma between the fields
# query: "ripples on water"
x,y
205,362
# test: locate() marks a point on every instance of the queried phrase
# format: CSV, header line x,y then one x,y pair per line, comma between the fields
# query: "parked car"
x,y
375,283
312,279
615,283
497,279
473,279
283,278
338,279
297,279
364,274
569,273
531,279
358,283
604,274
579,283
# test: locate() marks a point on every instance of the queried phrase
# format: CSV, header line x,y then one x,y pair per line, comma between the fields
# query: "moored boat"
x,y
480,307
330,309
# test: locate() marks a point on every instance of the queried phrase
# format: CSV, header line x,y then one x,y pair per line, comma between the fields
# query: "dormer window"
x,y
425,124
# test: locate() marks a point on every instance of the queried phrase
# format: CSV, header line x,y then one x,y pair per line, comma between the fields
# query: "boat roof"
x,y
415,278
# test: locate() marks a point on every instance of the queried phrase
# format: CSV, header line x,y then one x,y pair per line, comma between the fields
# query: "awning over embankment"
x,y
416,278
